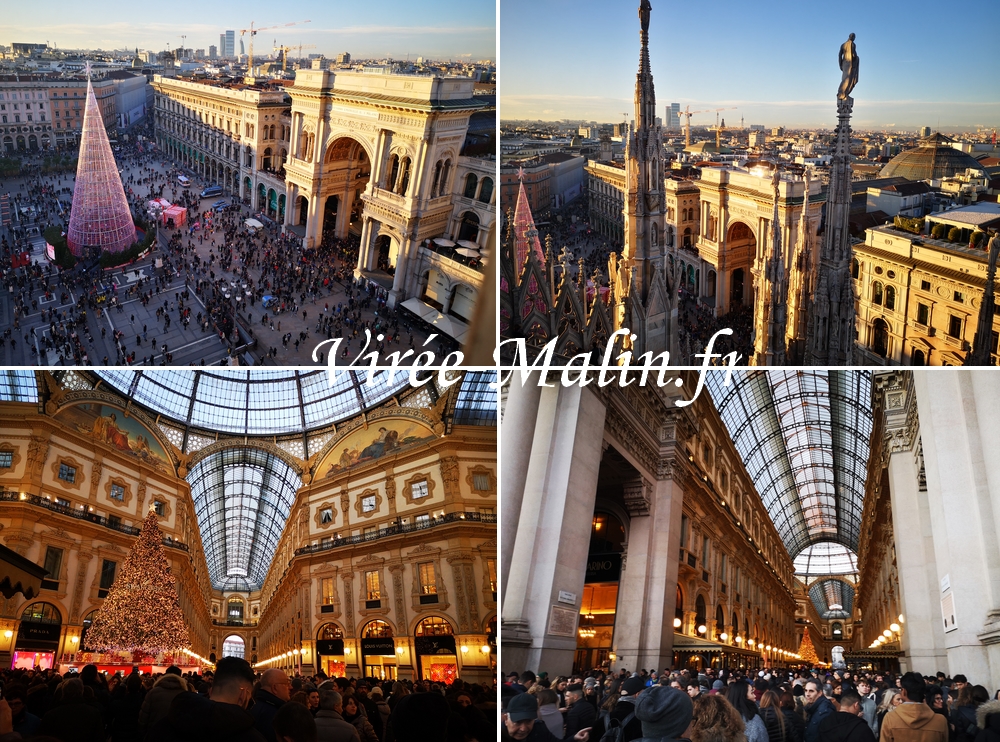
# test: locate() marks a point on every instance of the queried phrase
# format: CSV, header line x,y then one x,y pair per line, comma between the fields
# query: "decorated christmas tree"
x,y
141,614
807,651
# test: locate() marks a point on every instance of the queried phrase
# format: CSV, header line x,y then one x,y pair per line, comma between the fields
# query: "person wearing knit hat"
x,y
665,712
717,686
520,722
623,709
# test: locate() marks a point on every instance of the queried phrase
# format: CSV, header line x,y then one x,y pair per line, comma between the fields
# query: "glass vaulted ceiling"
x,y
803,437
242,497
255,402
827,594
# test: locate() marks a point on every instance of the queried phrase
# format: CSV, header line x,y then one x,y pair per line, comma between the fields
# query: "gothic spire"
x,y
525,234
774,353
645,98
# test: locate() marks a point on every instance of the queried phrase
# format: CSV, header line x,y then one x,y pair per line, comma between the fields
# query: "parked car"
x,y
220,205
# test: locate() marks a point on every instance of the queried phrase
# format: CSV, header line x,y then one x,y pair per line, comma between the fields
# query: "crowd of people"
x,y
735,706
232,703
233,271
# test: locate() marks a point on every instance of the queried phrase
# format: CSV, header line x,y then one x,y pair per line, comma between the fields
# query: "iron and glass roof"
x,y
257,401
18,386
242,498
827,594
826,558
804,439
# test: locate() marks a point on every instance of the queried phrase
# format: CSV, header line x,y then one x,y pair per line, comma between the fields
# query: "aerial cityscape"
x,y
241,195
660,220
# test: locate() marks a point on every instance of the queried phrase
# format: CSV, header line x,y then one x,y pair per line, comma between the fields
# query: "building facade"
x,y
373,551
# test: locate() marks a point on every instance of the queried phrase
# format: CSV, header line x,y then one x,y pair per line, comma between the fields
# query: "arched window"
x,y
877,293
434,626
41,613
700,614
855,268
470,185
687,237
266,162
404,178
437,178
331,631
377,630
486,190
469,229
890,297
445,173
917,357
392,171
720,622
880,337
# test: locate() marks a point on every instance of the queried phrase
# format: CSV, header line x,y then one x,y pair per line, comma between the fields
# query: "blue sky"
x,y
922,62
436,29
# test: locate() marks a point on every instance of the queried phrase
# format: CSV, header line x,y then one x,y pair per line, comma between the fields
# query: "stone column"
x,y
647,591
314,223
963,485
516,429
553,533
403,260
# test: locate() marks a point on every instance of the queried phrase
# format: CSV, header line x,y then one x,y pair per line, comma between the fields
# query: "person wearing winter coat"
x,y
741,695
913,720
352,714
330,724
818,707
383,708
963,718
156,704
777,726
988,721
848,724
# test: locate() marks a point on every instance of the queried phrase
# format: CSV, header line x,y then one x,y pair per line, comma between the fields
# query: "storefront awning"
x,y
453,328
19,575
685,643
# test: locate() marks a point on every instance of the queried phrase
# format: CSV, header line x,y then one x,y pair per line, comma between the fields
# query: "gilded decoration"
x,y
381,438
482,471
122,432
417,479
359,502
127,491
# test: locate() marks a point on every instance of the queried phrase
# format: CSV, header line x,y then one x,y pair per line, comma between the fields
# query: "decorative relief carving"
x,y
449,476
96,470
637,491
38,451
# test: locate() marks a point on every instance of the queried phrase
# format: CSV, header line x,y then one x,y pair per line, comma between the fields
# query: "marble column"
x,y
959,433
647,591
545,586
518,422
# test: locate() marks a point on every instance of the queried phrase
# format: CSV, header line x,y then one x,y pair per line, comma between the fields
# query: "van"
x,y
184,180
213,190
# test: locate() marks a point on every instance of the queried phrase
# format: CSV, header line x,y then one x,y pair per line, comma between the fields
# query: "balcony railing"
x,y
83,514
233,622
396,529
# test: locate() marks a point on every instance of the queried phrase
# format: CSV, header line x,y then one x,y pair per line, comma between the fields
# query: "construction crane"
x,y
689,113
285,49
183,39
254,31
719,128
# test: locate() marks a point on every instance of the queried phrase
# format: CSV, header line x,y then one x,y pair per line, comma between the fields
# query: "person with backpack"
x,y
621,724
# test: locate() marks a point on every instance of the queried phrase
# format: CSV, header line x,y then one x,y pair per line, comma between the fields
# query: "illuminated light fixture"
x,y
677,623
724,636
894,628
295,652
8,634
347,650
74,639
465,649
612,656
767,648
702,629
901,618
751,642
887,633
485,649
399,650
738,639
597,524
836,607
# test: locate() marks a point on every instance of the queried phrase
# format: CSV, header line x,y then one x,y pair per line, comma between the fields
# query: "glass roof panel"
x,y
826,558
254,402
477,399
18,386
826,595
242,498
803,437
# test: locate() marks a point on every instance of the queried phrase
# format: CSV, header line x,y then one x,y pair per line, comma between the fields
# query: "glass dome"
x,y
257,402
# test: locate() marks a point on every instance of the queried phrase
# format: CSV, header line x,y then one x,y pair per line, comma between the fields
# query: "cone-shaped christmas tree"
x,y
100,217
807,651
141,614
525,234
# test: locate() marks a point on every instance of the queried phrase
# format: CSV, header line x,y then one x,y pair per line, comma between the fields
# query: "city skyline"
x,y
905,82
393,28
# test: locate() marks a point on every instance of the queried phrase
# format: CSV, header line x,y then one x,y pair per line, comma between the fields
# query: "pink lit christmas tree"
x,y
525,234
100,217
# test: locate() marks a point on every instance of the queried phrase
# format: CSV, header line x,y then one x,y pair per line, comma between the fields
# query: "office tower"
x,y
674,116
